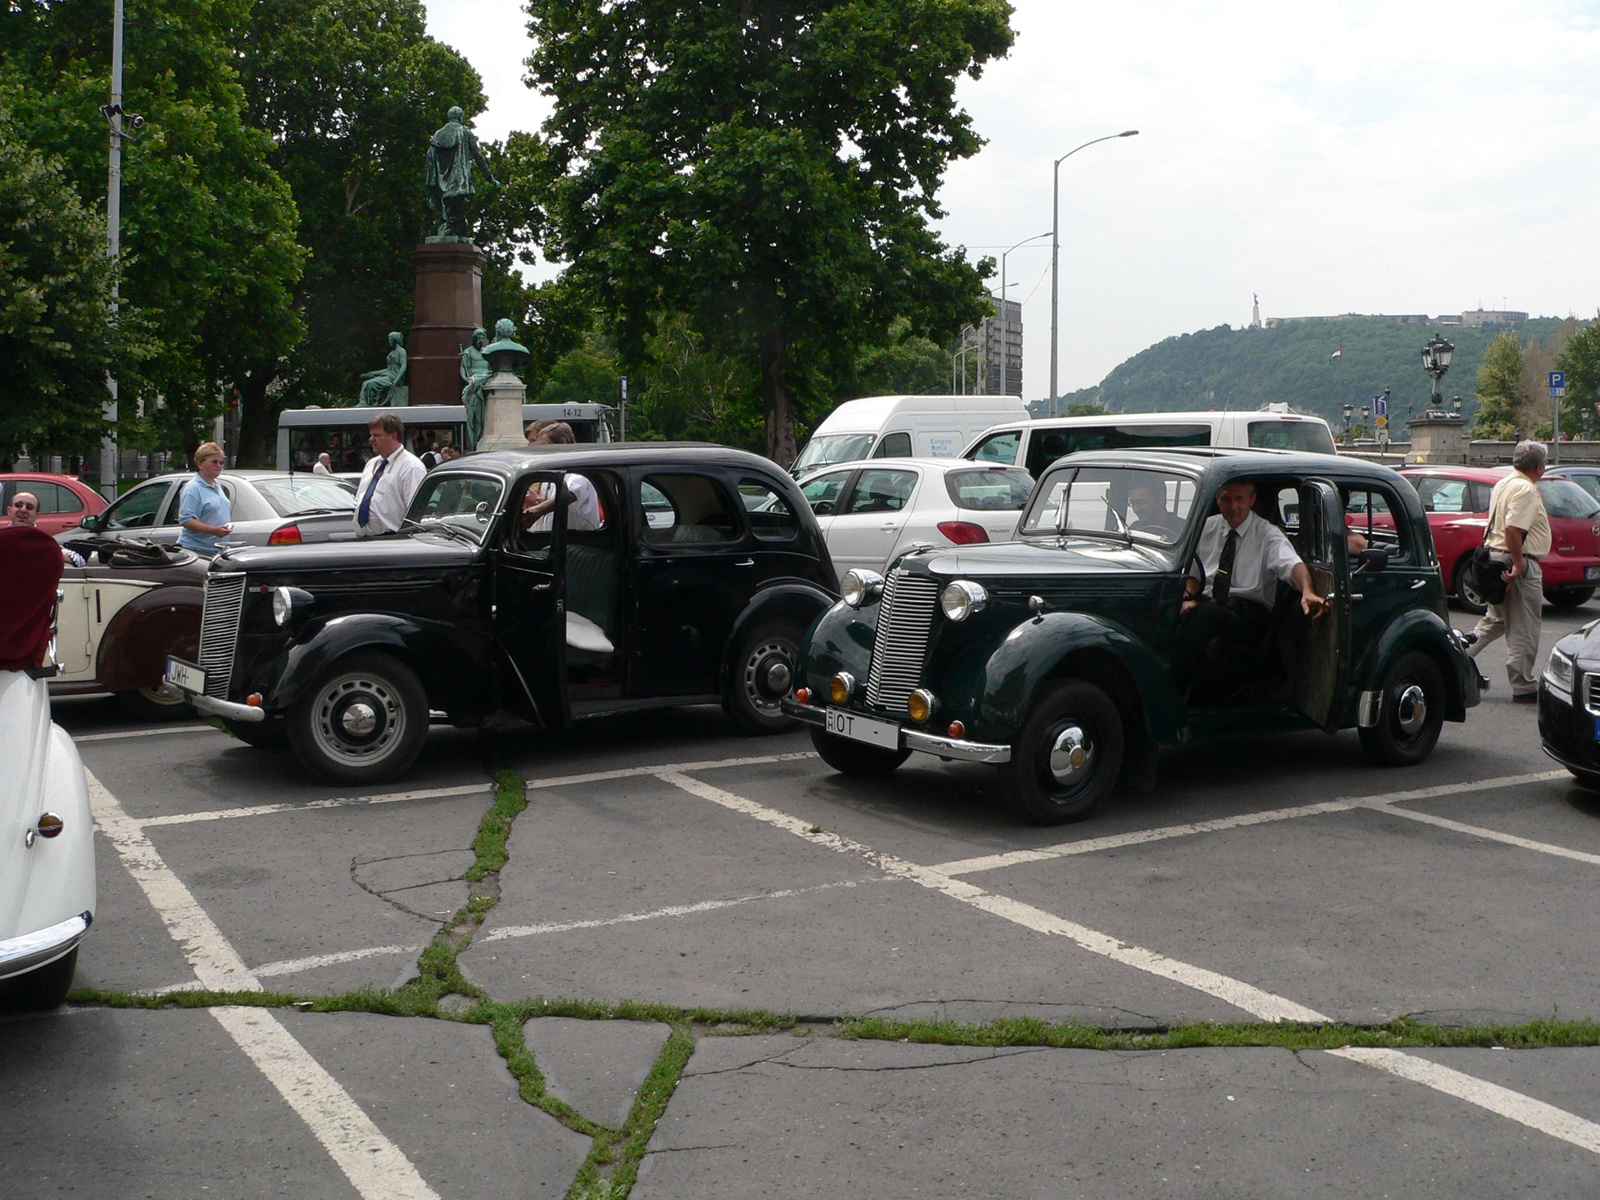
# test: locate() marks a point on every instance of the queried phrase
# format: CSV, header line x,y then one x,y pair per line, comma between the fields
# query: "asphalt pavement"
x,y
690,921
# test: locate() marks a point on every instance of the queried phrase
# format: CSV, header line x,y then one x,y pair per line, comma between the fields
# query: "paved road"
x,y
671,862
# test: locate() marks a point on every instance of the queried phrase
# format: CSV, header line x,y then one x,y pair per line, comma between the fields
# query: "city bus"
x,y
304,433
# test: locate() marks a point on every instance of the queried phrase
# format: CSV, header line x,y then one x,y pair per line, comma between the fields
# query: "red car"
x,y
63,500
1456,500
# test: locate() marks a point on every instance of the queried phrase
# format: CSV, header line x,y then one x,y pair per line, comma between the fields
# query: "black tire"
x,y
1588,779
1404,736
760,674
1032,784
154,704
364,721
43,989
1465,596
1569,597
270,734
855,758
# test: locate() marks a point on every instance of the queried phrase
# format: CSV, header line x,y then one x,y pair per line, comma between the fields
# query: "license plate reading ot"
x,y
186,676
864,729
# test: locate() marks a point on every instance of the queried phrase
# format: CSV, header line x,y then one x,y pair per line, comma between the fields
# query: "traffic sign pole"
x,y
1558,389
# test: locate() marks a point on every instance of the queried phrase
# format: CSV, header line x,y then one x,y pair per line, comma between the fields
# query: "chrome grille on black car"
x,y
219,631
904,623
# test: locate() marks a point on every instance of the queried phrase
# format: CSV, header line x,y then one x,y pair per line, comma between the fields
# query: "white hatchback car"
x,y
871,511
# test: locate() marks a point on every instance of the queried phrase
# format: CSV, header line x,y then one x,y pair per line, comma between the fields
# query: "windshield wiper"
x,y
316,512
439,524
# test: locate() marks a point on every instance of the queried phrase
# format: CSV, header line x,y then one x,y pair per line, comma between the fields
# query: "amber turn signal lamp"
x,y
920,705
802,696
957,730
841,687
50,825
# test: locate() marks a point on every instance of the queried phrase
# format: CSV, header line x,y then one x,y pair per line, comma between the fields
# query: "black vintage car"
x,y
670,574
1569,704
1051,656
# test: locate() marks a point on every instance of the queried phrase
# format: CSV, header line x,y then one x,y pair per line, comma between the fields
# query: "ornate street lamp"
x,y
1349,412
1436,355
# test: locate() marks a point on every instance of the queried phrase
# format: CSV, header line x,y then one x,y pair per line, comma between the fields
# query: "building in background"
x,y
1002,351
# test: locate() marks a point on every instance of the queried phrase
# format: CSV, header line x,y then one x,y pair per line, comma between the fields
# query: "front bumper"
x,y
912,739
223,708
30,951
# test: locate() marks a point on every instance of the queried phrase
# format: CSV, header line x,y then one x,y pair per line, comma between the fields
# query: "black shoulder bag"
x,y
1483,571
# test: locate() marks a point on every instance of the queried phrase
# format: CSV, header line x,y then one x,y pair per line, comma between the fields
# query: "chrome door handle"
x,y
888,525
1419,583
749,562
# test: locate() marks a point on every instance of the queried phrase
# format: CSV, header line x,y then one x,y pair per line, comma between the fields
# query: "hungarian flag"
x,y
1337,352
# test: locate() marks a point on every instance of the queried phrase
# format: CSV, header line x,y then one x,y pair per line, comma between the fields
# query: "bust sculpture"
x,y
451,153
504,354
376,385
474,373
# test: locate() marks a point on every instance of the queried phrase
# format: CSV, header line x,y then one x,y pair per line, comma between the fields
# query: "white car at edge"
x,y
870,511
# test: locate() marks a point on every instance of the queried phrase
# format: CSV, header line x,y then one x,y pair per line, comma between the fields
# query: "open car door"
x,y
529,599
1322,646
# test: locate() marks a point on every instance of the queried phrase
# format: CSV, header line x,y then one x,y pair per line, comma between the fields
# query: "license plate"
x,y
1591,572
186,676
864,729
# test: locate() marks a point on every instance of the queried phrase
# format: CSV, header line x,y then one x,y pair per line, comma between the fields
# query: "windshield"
x,y
1563,498
466,502
834,448
295,494
1312,436
1122,502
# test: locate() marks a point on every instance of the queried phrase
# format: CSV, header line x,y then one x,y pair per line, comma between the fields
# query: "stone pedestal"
x,y
502,412
1438,437
449,306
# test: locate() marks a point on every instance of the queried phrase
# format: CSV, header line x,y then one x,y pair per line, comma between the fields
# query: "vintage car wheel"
x,y
1410,712
856,758
1068,755
44,988
1569,597
154,704
263,735
1465,596
761,674
364,721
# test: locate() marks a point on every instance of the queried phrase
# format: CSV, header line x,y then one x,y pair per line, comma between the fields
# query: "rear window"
x,y
1309,436
294,495
1563,498
992,489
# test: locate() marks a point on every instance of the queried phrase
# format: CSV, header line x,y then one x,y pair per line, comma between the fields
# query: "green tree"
x,y
766,168
584,375
1580,359
691,392
1086,410
904,364
1502,395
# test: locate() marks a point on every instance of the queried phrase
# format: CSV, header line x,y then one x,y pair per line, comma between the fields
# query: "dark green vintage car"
x,y
1051,655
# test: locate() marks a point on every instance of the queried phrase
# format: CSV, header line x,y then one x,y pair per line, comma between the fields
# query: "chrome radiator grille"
x,y
904,623
219,631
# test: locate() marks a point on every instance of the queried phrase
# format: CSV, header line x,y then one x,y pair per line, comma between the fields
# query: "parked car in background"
x,y
1588,478
1456,500
121,614
869,512
1050,656
902,427
1034,445
680,591
1569,704
270,508
64,500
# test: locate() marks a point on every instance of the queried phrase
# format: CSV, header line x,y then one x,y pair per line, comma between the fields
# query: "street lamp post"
x,y
1055,249
1005,316
1349,412
1436,354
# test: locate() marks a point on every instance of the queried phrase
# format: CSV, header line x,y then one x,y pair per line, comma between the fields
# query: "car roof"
x,y
45,476
666,455
1470,474
1236,461
943,464
1161,418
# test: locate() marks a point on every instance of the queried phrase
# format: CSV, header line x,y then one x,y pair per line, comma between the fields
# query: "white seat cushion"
x,y
584,634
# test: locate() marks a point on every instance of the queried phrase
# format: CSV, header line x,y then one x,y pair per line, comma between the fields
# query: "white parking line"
x,y
267,810
1534,1113
1139,837
1492,835
757,760
373,1164
158,732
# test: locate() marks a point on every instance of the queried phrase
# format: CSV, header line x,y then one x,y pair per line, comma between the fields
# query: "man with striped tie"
x,y
389,480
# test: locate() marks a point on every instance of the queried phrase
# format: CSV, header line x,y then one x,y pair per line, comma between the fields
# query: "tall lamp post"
x,y
1005,316
1055,249
1436,354
1349,412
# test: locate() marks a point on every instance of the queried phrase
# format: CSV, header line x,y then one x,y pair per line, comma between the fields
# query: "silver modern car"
x,y
270,508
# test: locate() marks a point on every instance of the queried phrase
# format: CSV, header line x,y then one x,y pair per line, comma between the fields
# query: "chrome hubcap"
x,y
767,675
1071,755
359,719
1411,709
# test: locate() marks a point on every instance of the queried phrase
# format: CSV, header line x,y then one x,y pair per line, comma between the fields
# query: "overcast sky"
x,y
1336,157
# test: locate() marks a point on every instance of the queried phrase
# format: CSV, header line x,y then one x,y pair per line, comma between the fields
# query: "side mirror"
x,y
1373,558
822,508
91,523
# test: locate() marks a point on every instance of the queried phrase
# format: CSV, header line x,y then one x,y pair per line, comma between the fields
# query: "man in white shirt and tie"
x,y
388,481
1230,592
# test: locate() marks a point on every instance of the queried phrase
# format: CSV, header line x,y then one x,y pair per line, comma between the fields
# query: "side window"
x,y
883,491
53,499
893,445
1376,518
680,509
1480,497
138,509
1289,510
823,493
171,516
1444,495
1047,445
527,534
998,448
771,516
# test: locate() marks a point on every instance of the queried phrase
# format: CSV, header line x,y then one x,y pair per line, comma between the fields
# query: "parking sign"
x,y
1558,384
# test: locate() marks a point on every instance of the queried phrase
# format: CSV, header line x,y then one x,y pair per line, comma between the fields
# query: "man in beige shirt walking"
x,y
1519,536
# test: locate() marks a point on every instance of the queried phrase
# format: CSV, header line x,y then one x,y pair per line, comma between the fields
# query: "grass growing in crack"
x,y
494,832
648,1106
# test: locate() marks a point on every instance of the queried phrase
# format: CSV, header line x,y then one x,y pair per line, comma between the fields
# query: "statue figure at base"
x,y
451,153
474,373
376,385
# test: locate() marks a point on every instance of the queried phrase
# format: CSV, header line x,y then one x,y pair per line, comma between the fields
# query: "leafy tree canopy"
x,y
1501,393
766,168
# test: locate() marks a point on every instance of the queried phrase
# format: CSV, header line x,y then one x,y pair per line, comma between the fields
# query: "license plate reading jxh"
x,y
864,729
183,675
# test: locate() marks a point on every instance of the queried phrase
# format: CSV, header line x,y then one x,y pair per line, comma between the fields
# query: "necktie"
x,y
1222,581
365,510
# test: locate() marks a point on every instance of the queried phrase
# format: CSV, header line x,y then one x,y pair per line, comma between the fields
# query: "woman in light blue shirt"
x,y
205,512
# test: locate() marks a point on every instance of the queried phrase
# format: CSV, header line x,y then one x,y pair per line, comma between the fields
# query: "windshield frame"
x,y
434,479
1125,534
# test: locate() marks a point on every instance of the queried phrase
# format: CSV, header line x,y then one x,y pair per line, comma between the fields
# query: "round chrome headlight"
x,y
282,605
962,598
860,587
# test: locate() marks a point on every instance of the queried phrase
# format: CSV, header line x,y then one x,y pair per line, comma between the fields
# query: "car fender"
x,y
157,622
839,640
60,881
795,599
1417,629
429,648
1043,647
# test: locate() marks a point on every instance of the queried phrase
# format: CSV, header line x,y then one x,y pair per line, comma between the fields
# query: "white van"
x,y
904,427
1037,444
